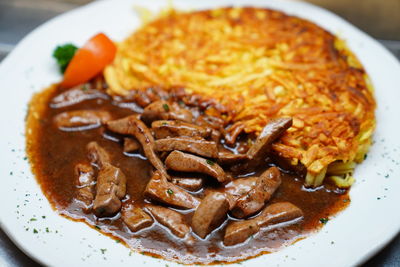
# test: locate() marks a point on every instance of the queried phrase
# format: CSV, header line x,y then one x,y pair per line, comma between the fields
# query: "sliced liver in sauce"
x,y
179,161
132,125
199,147
78,119
167,128
188,183
238,232
238,188
110,189
86,184
272,131
161,190
173,220
210,213
163,110
97,155
135,217
261,192
131,145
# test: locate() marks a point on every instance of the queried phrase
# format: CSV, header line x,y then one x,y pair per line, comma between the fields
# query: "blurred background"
x,y
378,18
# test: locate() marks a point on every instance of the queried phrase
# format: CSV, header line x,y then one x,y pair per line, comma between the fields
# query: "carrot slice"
x,y
89,60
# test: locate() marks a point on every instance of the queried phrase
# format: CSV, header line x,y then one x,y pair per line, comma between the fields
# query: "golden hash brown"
x,y
260,64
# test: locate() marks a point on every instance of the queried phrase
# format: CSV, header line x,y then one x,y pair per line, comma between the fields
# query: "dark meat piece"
x,y
227,158
97,154
173,220
199,147
131,145
81,118
238,232
179,161
135,217
210,213
238,188
273,130
74,96
85,184
188,183
161,190
132,125
145,97
210,121
110,189
163,110
233,133
261,192
164,129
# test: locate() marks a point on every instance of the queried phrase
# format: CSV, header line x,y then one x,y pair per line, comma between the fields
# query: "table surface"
x,y
19,17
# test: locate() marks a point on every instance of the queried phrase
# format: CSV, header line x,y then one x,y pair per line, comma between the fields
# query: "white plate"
x,y
361,230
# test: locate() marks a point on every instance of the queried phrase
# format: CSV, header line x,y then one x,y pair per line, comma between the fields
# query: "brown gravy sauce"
x,y
53,154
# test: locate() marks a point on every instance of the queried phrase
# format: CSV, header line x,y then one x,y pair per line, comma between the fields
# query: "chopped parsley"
x,y
97,227
33,219
47,230
103,250
169,191
210,162
324,220
165,107
63,55
35,231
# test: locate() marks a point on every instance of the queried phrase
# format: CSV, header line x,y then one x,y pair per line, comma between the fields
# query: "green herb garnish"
x,y
169,191
165,107
103,250
324,220
63,54
210,162
35,231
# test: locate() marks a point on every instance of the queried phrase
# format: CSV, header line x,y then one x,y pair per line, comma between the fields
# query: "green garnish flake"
x,y
97,227
103,250
118,241
35,231
47,230
85,87
210,162
63,55
43,217
165,107
324,220
169,191
33,219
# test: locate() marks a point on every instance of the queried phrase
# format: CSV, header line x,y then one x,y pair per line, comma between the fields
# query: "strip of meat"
x,y
132,125
272,131
238,188
131,145
74,96
163,110
69,120
179,161
261,192
233,133
97,154
210,213
163,129
161,190
238,232
173,220
188,183
86,183
199,147
228,158
110,189
135,217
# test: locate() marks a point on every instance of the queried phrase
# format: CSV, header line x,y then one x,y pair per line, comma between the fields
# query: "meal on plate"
x,y
204,137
